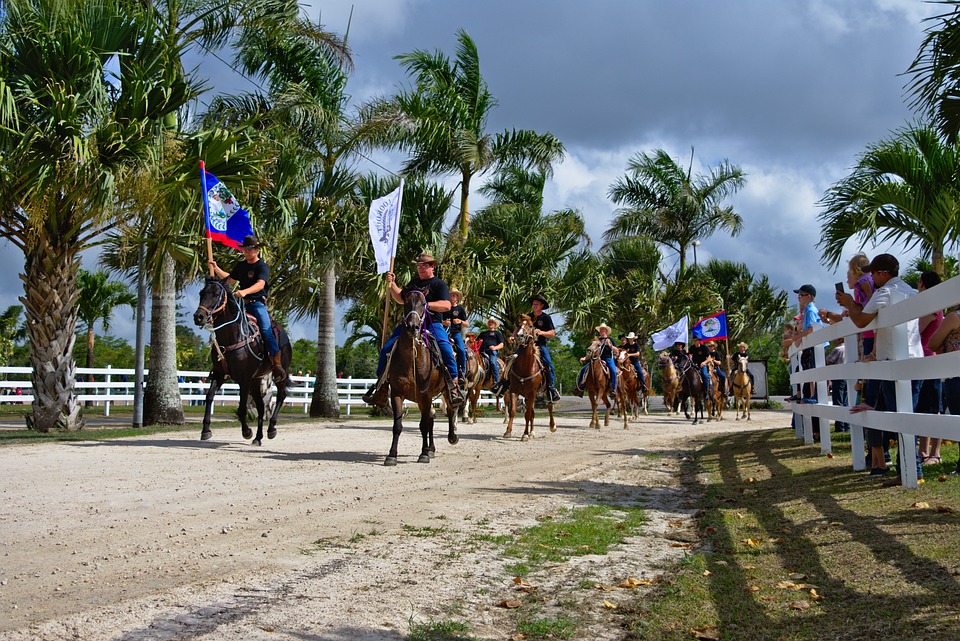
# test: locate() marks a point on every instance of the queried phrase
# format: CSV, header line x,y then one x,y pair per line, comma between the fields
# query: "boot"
x,y
554,394
377,396
578,392
456,396
277,368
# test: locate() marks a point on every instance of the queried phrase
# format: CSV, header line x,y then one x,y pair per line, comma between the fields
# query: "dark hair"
x,y
930,279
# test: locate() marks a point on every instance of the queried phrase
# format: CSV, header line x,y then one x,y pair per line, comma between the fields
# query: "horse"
x,y
640,398
240,352
742,389
472,378
627,400
413,374
525,378
715,398
671,383
597,382
691,386
486,382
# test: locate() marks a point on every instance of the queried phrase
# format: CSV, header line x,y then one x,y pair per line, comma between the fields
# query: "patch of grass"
x,y
357,537
439,631
799,547
589,530
535,627
424,532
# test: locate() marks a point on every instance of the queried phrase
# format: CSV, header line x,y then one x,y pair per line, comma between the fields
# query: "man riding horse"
x,y
253,275
543,329
607,352
714,355
633,353
491,342
438,302
455,321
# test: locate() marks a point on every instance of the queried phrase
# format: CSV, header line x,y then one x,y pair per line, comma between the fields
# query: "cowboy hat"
x,y
631,335
454,290
540,298
494,321
603,326
250,242
742,345
425,257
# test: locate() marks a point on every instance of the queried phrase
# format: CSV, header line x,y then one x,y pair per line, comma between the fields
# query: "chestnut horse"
x,y
671,383
742,389
413,374
691,386
239,352
525,378
627,400
597,382
472,379
716,399
486,382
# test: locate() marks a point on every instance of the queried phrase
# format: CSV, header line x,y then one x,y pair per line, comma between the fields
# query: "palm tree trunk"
x,y
50,305
161,398
936,259
90,342
325,402
464,205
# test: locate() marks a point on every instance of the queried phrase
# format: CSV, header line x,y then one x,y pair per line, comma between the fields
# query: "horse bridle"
x,y
220,307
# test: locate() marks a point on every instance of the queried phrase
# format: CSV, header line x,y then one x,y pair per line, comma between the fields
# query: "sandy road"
x,y
310,536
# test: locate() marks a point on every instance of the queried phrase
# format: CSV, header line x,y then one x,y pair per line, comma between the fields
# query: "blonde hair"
x,y
858,264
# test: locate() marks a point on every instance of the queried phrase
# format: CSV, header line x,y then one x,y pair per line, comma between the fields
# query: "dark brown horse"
x,y
691,386
413,375
525,378
485,382
597,383
239,352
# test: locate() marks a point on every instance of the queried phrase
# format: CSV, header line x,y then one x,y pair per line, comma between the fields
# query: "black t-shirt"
x,y
456,311
489,339
247,274
699,354
544,323
606,348
434,289
633,351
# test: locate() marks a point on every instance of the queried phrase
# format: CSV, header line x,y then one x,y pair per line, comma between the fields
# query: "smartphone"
x,y
839,287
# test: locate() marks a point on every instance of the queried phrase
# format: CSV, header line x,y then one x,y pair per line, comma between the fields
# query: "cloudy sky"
x,y
789,91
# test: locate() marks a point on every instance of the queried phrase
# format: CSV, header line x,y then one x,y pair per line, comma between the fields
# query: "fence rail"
x,y
901,368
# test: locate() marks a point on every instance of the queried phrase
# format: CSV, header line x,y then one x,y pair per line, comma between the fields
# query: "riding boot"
x,y
278,373
378,395
456,396
578,392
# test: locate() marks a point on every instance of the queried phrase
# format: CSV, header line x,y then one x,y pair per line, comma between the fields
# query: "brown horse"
x,y
597,382
239,352
642,394
742,389
472,378
525,378
715,398
691,386
671,383
413,374
627,400
486,382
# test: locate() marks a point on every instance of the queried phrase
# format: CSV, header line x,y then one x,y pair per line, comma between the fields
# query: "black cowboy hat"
x,y
540,298
250,242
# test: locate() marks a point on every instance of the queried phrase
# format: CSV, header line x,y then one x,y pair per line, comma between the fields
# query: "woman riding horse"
x,y
594,378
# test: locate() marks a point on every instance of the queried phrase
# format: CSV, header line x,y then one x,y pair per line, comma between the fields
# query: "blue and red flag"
x,y
711,327
226,221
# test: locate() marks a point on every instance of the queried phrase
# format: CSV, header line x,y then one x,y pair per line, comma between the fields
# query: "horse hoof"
x,y
256,442
453,439
524,438
206,435
423,459
246,432
553,428
508,434
272,432
390,461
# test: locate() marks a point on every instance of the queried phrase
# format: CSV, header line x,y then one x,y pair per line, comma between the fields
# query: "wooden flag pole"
x,y
386,311
203,205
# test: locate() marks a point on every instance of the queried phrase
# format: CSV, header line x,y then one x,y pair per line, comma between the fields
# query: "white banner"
x,y
385,226
667,337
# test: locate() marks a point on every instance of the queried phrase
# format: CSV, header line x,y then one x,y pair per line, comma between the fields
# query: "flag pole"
x,y
386,311
203,202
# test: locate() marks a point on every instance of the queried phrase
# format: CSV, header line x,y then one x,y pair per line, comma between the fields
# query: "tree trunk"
x,y
325,402
161,398
936,260
464,206
50,305
90,377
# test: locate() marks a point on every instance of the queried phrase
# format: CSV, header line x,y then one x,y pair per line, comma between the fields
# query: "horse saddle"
x,y
278,332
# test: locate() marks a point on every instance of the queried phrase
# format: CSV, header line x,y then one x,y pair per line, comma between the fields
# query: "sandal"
x,y
930,460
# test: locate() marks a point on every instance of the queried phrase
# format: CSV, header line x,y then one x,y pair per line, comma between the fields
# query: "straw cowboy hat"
x,y
631,335
454,290
742,345
425,257
603,326
495,322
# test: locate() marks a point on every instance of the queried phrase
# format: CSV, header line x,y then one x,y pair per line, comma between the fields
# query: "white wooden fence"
x,y
114,386
901,369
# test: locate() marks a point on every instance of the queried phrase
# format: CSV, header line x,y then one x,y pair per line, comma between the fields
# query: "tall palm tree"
x,y
99,297
448,111
936,73
754,307
11,330
72,129
905,189
661,200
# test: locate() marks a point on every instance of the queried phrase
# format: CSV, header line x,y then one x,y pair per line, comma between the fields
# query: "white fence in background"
x,y
901,369
114,386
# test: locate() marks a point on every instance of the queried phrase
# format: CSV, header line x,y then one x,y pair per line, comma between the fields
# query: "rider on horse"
x,y
253,275
633,353
438,301
607,351
491,342
455,321
543,329
700,355
678,353
715,356
742,353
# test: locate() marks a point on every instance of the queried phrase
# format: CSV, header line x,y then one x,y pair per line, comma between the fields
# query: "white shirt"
x,y
894,291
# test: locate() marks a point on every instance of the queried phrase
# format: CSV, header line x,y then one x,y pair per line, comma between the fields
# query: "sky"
x,y
791,92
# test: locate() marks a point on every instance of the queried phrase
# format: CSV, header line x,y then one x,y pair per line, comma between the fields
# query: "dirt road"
x,y
310,536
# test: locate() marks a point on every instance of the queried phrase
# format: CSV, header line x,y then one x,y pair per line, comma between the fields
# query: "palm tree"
x,y
936,74
98,298
448,111
72,130
902,189
11,331
661,200
754,308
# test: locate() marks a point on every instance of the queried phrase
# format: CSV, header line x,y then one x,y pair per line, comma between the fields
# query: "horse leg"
x,y
553,423
606,414
396,404
528,417
245,430
623,403
281,396
215,383
427,446
510,409
258,402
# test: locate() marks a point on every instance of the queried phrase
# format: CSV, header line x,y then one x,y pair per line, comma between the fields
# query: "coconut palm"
x,y
11,331
903,189
661,200
99,297
448,109
753,307
936,74
72,128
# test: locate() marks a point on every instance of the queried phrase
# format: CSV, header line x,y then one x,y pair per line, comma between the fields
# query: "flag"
x,y
226,221
667,337
384,227
711,327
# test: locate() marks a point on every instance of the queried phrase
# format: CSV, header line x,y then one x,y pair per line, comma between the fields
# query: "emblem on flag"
x,y
226,221
711,327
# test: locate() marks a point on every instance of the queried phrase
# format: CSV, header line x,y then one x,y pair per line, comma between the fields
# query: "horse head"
x,y
664,360
593,352
414,309
213,299
741,364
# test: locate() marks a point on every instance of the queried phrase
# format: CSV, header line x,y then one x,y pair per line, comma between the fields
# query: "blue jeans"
x,y
838,394
259,311
494,365
887,400
613,374
439,333
457,337
548,363
641,381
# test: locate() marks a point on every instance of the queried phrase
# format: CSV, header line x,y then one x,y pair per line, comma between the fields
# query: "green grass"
x,y
439,631
536,628
779,520
424,532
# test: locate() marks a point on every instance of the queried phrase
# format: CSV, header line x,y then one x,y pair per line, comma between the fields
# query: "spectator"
x,y
945,340
810,315
838,387
929,401
890,290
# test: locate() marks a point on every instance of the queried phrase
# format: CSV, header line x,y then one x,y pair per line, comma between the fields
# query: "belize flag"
x,y
226,221
711,327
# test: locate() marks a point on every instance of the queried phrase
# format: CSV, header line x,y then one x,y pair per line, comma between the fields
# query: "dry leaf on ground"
x,y
706,633
510,605
800,605
608,605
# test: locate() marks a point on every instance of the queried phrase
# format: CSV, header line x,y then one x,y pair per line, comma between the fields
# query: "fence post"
x,y
907,454
857,445
349,388
819,362
106,403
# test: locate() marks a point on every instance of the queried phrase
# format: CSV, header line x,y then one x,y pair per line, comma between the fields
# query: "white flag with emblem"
x,y
385,226
667,337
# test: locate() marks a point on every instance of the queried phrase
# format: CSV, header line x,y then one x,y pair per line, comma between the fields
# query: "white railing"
x,y
115,386
901,369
